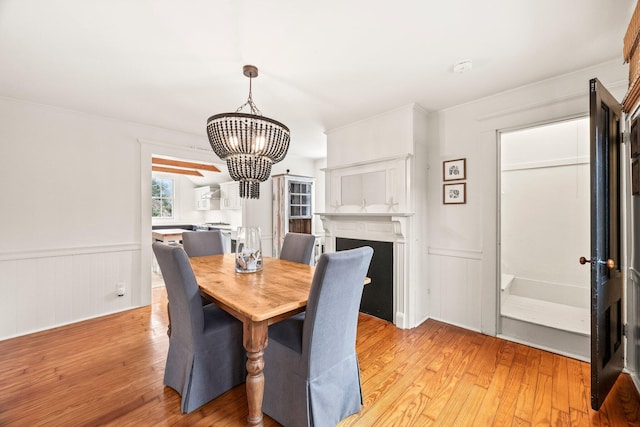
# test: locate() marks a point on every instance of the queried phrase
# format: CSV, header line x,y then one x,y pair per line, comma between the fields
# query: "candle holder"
x,y
248,250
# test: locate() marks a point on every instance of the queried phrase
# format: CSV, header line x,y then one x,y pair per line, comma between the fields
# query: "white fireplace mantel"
x,y
383,227
362,214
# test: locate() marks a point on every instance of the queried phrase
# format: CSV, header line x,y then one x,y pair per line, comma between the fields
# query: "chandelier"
x,y
249,143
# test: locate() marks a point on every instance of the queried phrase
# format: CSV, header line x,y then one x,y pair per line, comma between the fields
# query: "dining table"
x,y
257,299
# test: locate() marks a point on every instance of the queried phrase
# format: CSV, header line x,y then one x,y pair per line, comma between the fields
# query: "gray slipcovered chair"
x,y
312,376
202,243
206,356
298,247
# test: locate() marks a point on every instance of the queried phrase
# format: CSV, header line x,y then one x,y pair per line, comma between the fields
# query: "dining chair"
x,y
298,247
202,243
312,376
206,356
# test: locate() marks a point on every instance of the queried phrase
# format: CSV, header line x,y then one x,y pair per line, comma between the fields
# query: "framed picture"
x,y
454,170
454,194
635,177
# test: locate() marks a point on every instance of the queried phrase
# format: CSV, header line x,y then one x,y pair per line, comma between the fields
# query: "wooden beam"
x,y
176,170
182,164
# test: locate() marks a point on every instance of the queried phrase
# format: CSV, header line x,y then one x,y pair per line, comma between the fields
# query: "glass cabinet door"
x,y
299,199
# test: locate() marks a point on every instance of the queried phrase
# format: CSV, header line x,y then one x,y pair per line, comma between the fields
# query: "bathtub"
x,y
555,305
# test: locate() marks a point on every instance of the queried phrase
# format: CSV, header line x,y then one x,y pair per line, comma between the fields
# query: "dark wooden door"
x,y
607,350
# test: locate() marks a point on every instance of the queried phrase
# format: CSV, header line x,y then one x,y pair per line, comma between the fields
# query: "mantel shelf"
x,y
366,214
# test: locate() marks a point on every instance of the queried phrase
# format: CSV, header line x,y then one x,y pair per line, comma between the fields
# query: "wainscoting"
x,y
455,294
45,289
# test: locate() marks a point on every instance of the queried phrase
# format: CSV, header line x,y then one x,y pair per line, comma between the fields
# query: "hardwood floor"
x,y
109,371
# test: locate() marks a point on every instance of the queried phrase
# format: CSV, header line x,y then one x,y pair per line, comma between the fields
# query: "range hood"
x,y
214,194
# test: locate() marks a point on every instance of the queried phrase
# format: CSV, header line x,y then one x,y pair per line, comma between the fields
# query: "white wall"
x,y
463,238
545,191
71,215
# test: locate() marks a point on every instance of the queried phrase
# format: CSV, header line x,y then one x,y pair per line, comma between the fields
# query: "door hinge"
x,y
624,330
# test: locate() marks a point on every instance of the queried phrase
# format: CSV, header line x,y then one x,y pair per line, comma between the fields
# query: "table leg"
x,y
255,337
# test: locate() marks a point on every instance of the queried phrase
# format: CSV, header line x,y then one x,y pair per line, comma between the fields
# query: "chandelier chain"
x,y
252,106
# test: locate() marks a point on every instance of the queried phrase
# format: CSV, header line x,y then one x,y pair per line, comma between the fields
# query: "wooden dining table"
x,y
258,300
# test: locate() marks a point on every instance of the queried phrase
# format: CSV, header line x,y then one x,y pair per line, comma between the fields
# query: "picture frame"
x,y
454,194
635,176
454,170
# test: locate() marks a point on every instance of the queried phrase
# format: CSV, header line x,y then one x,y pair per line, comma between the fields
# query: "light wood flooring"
x,y
108,371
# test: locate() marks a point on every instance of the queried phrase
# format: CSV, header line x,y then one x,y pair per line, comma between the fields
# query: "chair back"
x,y
185,304
202,243
298,247
331,319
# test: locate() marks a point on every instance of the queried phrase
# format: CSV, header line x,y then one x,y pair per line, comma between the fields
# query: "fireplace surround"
x,y
379,227
377,296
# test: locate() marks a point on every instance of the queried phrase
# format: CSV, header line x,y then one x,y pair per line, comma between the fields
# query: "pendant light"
x,y
249,143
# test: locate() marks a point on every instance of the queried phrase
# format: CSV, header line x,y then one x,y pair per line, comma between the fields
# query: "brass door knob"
x,y
609,262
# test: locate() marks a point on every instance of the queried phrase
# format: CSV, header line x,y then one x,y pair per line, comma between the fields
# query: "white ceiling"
x,y
322,64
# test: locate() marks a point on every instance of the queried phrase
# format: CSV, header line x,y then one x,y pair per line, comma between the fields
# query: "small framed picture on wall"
x,y
454,194
454,170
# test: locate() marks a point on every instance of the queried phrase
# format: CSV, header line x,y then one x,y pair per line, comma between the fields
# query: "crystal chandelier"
x,y
249,143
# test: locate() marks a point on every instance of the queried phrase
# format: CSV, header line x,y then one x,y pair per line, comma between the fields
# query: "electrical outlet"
x,y
120,289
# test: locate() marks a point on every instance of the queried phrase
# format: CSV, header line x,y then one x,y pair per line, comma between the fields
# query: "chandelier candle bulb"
x,y
249,143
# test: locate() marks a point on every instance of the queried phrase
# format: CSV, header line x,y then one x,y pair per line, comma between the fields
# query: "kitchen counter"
x,y
173,230
167,235
221,226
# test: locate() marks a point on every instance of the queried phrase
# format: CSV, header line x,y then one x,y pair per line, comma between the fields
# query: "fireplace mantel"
x,y
363,214
392,227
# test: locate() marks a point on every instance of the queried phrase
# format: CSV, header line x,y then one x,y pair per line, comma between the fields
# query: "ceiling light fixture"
x,y
462,66
249,143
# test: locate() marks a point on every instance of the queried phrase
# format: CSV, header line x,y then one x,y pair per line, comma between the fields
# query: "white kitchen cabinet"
x,y
292,207
201,204
205,203
230,196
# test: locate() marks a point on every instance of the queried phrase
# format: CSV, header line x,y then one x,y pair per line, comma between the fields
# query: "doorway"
x,y
544,229
148,150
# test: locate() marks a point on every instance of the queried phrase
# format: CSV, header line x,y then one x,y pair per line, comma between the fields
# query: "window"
x,y
161,198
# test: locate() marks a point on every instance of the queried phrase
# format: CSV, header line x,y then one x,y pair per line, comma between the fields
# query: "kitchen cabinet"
x,y
230,196
200,203
292,207
205,203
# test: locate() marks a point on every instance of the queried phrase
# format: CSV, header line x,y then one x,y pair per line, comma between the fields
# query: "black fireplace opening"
x,y
377,296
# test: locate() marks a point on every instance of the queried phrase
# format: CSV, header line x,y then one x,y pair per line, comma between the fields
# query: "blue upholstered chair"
x,y
206,356
312,376
202,243
298,247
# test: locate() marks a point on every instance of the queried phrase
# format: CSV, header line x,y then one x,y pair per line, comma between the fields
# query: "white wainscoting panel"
x,y
43,292
455,287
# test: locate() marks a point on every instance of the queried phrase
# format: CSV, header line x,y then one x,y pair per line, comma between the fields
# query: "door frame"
x,y
148,148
